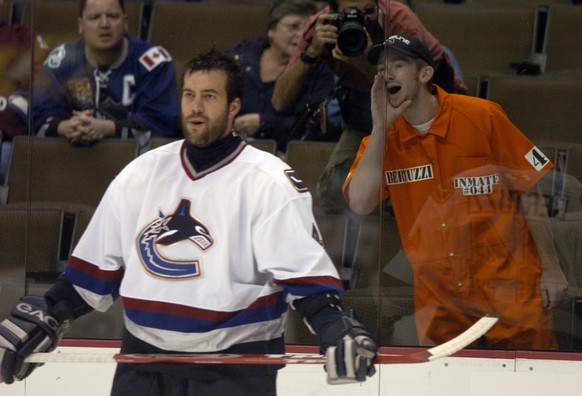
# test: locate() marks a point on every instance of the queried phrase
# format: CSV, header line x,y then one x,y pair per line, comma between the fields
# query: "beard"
x,y
212,131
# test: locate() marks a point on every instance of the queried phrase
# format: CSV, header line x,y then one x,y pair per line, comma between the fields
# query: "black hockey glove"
x,y
349,350
30,328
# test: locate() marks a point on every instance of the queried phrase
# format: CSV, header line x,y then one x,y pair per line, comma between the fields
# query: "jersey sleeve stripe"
x,y
323,281
301,287
94,271
92,284
91,278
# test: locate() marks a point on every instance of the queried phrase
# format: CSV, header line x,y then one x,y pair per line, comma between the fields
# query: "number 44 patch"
x,y
536,158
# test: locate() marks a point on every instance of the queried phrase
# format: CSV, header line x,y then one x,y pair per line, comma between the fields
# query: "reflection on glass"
x,y
22,52
418,292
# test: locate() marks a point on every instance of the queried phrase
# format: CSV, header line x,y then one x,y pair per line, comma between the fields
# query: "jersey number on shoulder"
x,y
295,180
536,158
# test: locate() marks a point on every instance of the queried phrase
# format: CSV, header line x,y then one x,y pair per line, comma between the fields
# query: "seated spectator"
x,y
262,60
16,57
107,84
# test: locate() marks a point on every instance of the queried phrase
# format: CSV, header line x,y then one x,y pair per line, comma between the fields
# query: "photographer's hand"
x,y
325,34
291,83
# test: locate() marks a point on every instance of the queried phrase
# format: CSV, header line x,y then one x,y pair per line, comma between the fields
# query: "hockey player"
x,y
456,169
107,84
206,241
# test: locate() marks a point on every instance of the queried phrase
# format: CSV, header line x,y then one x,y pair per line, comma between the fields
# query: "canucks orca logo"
x,y
170,230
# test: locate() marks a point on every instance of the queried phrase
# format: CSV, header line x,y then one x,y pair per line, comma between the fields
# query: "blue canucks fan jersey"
x,y
140,86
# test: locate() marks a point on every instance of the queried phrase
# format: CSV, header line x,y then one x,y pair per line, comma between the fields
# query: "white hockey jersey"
x,y
202,261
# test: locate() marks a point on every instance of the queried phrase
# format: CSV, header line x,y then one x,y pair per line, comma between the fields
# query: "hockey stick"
x,y
446,349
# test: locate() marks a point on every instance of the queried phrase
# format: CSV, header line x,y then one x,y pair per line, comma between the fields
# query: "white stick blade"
x,y
478,329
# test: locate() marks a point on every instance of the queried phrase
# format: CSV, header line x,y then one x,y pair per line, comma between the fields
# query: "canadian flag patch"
x,y
153,57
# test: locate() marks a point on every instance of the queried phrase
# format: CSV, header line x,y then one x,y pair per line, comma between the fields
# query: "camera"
x,y
352,39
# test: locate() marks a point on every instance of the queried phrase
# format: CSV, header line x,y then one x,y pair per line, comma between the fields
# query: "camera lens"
x,y
352,39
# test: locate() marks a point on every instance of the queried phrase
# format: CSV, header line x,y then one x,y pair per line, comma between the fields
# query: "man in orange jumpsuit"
x,y
455,169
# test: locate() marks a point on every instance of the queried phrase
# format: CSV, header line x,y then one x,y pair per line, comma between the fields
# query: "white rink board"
x,y
444,377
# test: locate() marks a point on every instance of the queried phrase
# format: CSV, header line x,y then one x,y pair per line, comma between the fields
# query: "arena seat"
x,y
268,145
574,161
50,172
544,108
571,185
309,158
82,219
378,243
334,229
484,38
156,142
382,285
187,28
6,11
562,40
473,83
30,241
550,183
366,258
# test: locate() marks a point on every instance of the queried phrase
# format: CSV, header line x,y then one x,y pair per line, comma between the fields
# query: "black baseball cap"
x,y
406,45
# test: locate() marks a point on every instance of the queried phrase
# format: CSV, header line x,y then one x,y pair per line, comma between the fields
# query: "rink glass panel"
x,y
36,238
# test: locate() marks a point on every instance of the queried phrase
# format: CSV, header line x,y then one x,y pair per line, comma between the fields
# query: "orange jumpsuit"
x,y
454,192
